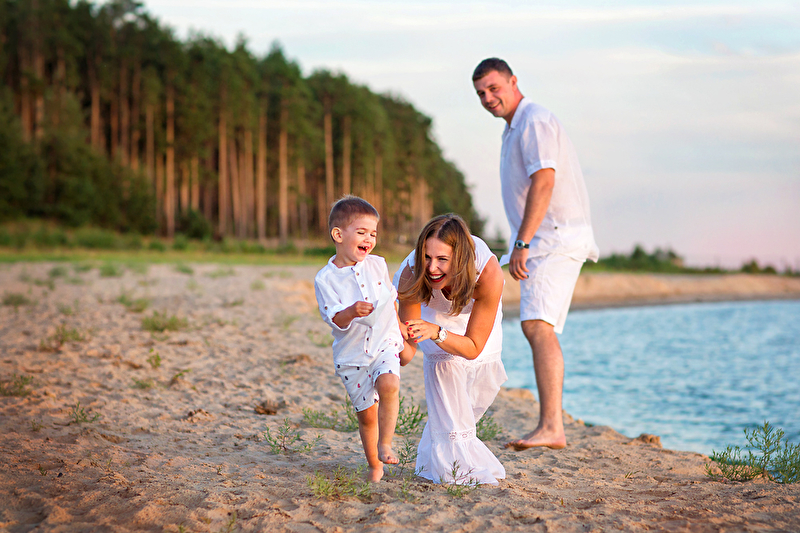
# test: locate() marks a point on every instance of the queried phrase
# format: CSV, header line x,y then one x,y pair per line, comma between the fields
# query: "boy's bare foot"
x,y
374,474
386,454
535,438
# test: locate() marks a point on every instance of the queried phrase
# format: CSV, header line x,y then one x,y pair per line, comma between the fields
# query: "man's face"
x,y
498,94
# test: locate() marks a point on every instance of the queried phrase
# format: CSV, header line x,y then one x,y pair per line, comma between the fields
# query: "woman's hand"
x,y
419,330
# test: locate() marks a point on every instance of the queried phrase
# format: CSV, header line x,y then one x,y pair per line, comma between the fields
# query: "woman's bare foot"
x,y
386,454
374,474
538,438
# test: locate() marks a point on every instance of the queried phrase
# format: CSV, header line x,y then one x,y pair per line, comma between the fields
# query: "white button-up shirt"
x,y
366,337
534,140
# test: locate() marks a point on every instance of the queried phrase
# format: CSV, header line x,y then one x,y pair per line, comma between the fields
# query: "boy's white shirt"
x,y
365,337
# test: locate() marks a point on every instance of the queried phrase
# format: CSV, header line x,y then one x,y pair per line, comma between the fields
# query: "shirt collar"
x,y
518,113
358,267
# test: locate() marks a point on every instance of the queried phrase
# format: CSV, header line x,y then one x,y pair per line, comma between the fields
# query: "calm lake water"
x,y
695,374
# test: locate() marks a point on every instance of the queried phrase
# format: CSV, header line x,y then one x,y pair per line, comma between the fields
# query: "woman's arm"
x,y
487,296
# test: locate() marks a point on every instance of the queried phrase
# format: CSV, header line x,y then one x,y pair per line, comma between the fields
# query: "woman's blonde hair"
x,y
453,231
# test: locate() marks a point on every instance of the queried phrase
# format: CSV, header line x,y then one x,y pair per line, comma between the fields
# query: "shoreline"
x,y
180,444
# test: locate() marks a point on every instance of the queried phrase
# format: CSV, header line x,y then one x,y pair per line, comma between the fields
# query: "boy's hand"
x,y
360,309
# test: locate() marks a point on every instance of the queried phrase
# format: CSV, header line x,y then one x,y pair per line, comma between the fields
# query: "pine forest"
x,y
107,119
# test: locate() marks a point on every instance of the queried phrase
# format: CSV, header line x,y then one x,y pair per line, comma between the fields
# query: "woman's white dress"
x,y
458,392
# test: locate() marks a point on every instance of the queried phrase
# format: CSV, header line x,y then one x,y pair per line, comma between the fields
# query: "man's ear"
x,y
336,235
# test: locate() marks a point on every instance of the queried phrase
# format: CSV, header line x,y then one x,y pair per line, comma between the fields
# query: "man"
x,y
547,207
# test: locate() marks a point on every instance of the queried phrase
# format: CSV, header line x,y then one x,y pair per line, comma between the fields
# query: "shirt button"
x,y
362,284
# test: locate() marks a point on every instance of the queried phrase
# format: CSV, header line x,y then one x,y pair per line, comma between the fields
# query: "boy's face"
x,y
356,241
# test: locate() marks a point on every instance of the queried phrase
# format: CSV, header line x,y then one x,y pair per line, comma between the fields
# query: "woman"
x,y
450,290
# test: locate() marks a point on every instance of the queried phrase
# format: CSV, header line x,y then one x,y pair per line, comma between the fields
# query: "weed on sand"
x,y
160,322
768,456
16,385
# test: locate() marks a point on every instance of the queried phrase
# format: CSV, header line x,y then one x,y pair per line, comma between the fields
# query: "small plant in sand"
x,y
322,340
257,285
409,418
407,457
343,483
36,425
81,267
135,305
318,419
233,303
287,441
144,384
487,429
62,336
137,268
286,321
49,283
461,483
221,272
184,269
154,359
67,310
161,322
79,415
110,270
57,272
16,385
230,525
177,377
768,455
192,285
15,300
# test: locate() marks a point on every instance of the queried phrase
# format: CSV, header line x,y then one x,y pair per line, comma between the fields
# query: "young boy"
x,y
357,299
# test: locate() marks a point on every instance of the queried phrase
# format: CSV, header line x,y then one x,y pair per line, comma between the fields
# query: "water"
x,y
695,374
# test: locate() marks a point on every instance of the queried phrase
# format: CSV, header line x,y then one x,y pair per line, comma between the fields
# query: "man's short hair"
x,y
493,64
347,208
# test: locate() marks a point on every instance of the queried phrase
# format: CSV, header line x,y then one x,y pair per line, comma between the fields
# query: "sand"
x,y
182,447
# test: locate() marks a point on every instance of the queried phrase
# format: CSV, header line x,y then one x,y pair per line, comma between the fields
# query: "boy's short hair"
x,y
492,64
347,208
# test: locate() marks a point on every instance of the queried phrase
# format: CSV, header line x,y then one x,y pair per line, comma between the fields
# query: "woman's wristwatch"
x,y
441,336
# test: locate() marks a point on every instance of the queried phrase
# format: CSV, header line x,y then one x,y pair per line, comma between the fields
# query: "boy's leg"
x,y
388,387
368,429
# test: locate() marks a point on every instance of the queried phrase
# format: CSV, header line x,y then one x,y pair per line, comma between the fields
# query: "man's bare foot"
x,y
538,438
386,454
374,474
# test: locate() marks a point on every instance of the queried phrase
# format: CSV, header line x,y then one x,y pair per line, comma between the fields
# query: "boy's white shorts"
x,y
360,380
547,293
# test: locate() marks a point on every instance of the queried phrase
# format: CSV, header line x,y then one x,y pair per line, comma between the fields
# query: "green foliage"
x,y
181,242
332,420
15,299
134,305
343,483
160,322
409,418
287,441
767,456
487,429
222,272
16,386
62,335
195,226
639,260
154,359
110,270
144,384
184,269
79,415
752,267
460,483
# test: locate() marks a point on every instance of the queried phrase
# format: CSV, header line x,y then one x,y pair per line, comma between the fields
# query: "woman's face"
x,y
438,257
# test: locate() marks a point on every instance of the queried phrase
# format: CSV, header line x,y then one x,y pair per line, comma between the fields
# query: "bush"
x,y
96,238
157,246
195,226
180,242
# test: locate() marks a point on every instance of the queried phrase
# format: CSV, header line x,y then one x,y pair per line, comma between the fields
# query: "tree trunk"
x,y
329,194
195,200
283,177
60,87
25,111
261,176
248,201
124,114
347,143
303,198
208,191
170,170
38,71
378,183
235,193
114,125
322,210
159,164
150,141
185,187
222,167
136,91
96,121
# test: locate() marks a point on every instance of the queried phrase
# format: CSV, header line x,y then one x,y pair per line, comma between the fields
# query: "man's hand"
x,y
516,265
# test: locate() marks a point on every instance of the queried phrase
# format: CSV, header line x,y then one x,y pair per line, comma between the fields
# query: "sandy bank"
x,y
180,446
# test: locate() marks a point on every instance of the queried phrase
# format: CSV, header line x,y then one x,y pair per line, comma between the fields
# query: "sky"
x,y
685,115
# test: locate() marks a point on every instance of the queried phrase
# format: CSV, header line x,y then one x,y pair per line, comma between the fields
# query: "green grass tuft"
x,y
160,322
16,386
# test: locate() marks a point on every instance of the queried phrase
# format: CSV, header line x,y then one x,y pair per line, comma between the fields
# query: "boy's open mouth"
x,y
364,248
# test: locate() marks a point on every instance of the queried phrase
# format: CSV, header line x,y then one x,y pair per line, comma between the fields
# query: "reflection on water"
x,y
695,374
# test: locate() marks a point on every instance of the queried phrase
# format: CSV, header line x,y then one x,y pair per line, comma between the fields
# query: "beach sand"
x,y
182,447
